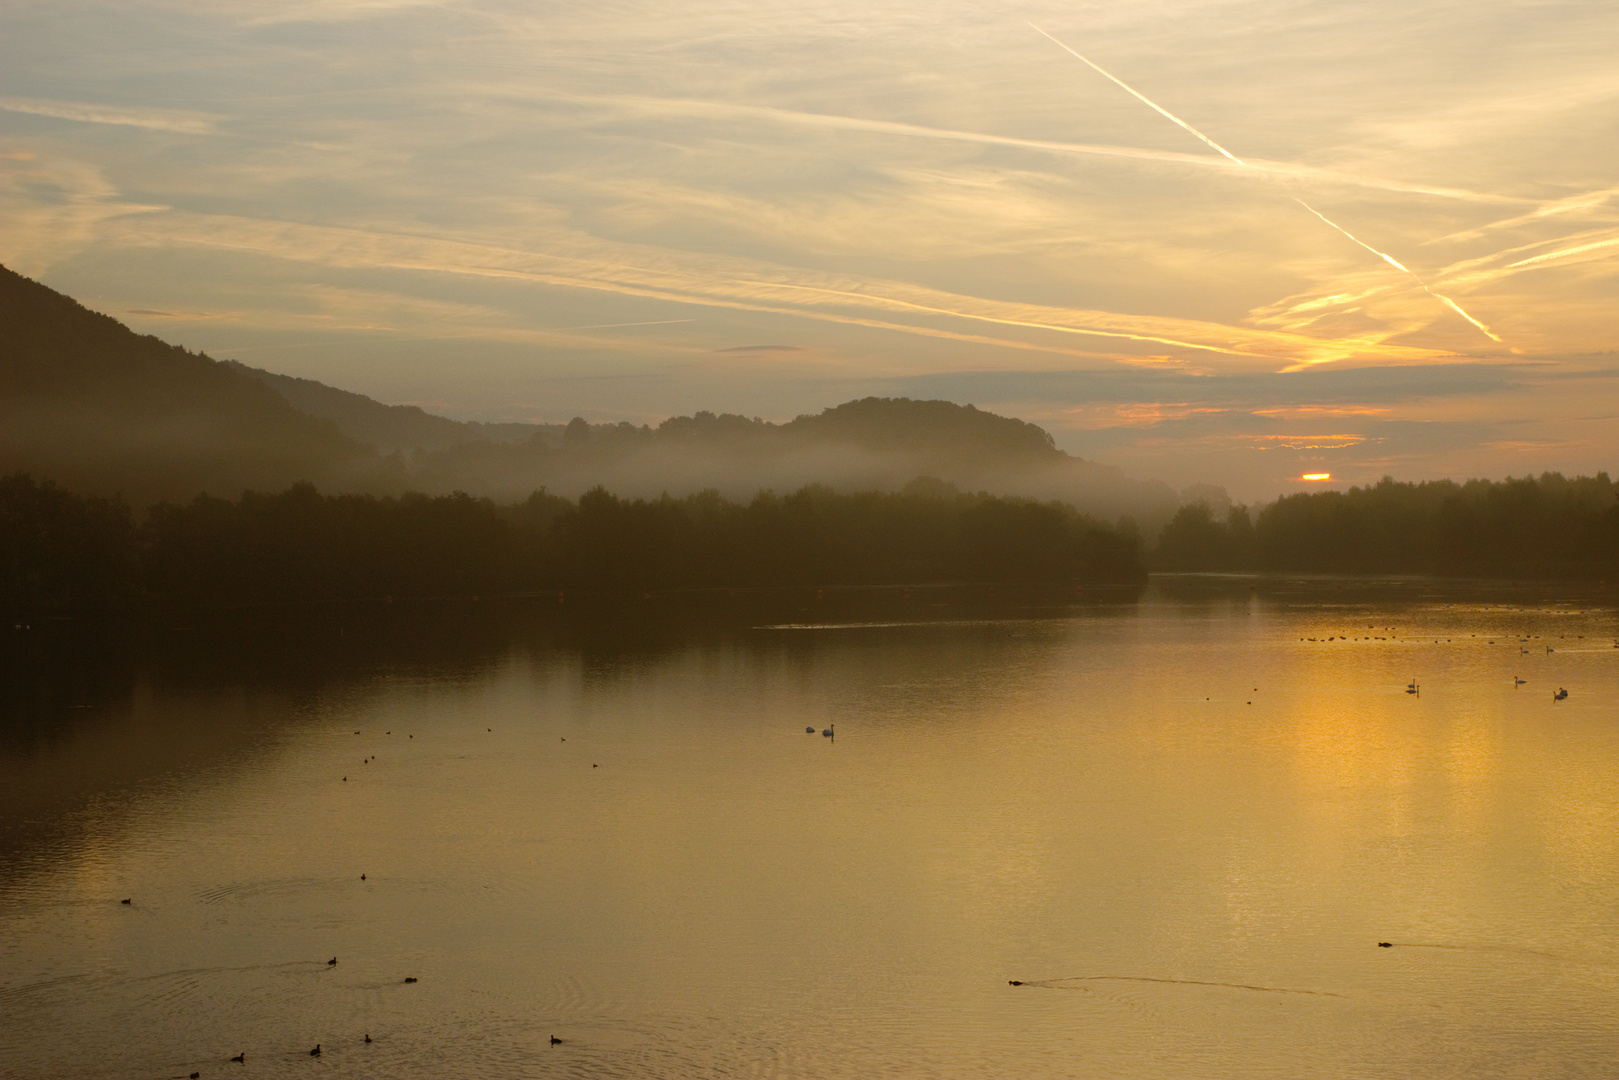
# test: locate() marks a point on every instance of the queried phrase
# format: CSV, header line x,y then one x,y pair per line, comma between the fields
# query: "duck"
x,y
240,1059
316,1051
126,900
332,962
368,1036
411,979
555,1041
1385,944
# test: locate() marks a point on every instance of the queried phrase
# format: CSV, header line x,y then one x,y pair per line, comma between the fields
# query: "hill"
x,y
99,409
389,428
90,404
874,444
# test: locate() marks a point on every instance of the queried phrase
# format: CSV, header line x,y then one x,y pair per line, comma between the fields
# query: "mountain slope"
x,y
90,404
388,428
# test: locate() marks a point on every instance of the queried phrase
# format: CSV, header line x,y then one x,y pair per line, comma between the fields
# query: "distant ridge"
x,y
389,428
90,404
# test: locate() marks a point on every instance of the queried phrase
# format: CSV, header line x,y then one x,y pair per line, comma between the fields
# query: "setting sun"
x,y
1316,476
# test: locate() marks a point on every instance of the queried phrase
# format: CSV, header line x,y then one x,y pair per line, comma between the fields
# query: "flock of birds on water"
x,y
241,1058
1413,687
830,732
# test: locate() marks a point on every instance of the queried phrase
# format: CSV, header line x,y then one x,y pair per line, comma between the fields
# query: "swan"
x,y
827,731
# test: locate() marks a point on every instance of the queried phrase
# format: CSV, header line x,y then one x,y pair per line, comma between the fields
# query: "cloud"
x,y
185,122
582,262
731,111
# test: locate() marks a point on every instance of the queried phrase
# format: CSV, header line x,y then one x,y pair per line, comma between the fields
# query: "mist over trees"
x,y
1549,526
87,403
64,554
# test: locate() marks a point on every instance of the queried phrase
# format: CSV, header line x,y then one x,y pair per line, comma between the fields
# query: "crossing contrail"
x,y
1155,107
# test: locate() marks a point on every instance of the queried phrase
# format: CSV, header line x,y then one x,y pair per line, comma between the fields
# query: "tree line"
x,y
63,553
1549,526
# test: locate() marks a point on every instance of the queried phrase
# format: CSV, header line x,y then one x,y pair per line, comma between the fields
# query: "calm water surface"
x,y
1182,825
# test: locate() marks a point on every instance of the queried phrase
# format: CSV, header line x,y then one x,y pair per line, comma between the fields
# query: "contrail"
x,y
1391,260
1550,255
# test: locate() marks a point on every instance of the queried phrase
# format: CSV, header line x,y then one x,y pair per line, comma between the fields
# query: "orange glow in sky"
x,y
1316,476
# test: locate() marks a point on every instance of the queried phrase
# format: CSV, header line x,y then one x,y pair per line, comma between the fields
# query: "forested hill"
x,y
88,402
390,428
871,444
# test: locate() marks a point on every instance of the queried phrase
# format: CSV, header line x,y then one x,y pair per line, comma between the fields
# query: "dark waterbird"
x,y
195,1075
555,1040
411,978
316,1051
332,962
126,900
240,1059
368,1036
1385,944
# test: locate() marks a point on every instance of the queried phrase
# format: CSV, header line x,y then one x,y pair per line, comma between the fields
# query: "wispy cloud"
x,y
733,111
597,265
183,121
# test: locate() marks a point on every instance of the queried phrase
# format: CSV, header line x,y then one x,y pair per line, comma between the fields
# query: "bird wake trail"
x,y
1391,260
1069,982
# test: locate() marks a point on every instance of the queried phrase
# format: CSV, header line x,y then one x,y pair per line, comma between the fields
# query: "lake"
x,y
1182,820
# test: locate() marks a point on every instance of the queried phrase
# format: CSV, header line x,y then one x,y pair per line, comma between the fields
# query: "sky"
x,y
1208,241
